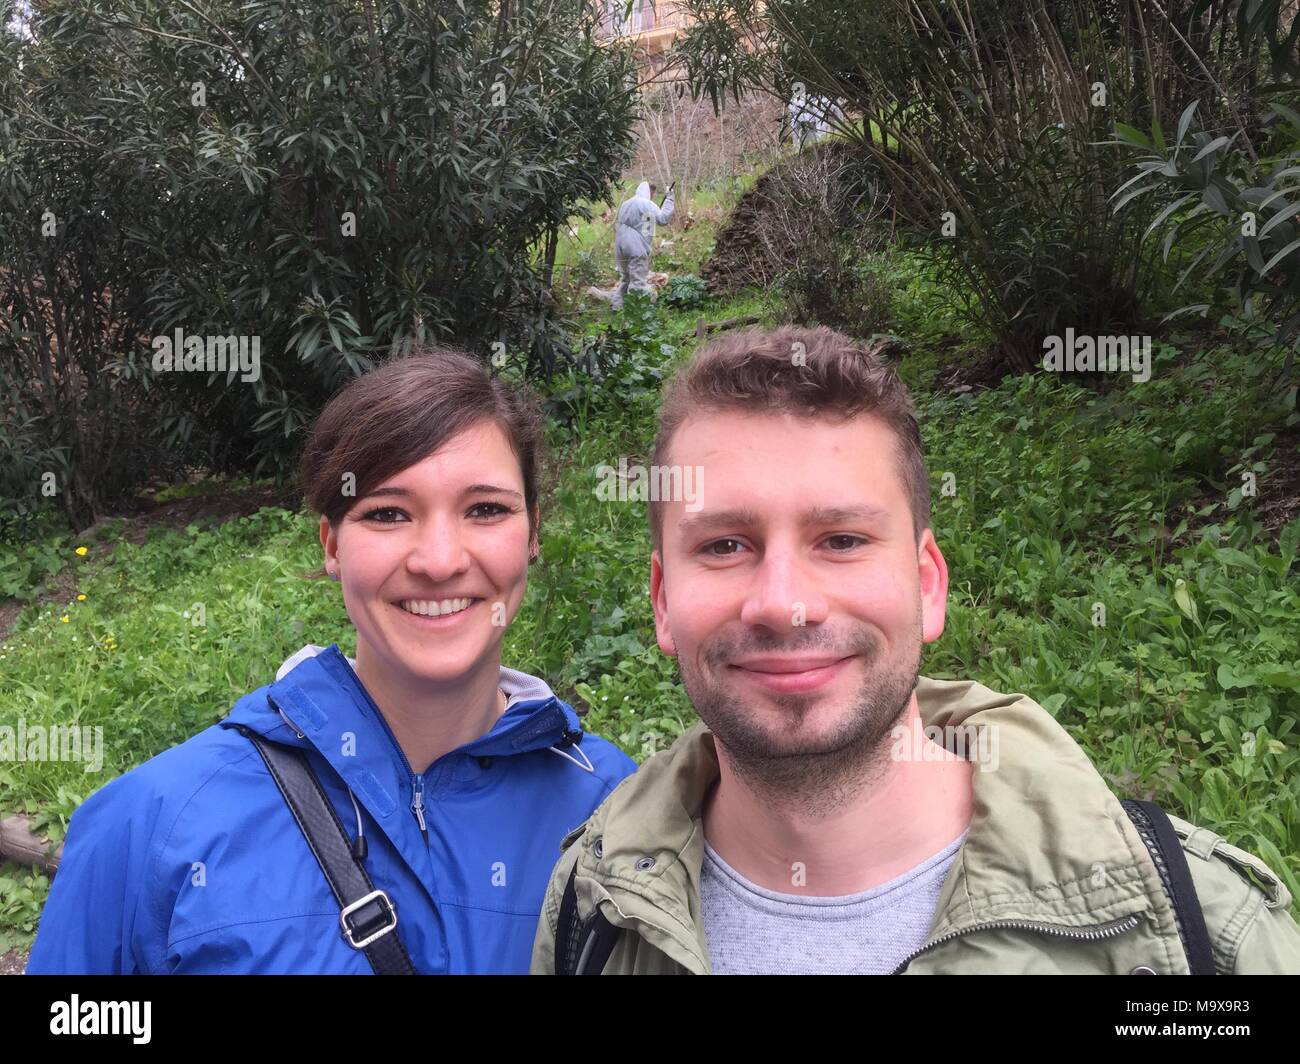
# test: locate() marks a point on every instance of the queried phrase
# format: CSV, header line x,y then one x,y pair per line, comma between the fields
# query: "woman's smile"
x,y
437,614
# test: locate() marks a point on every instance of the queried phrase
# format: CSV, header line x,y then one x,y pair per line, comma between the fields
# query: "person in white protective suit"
x,y
634,234
813,117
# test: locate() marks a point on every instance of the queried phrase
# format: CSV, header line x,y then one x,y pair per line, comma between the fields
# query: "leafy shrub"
x,y
832,285
618,371
684,293
25,569
1221,200
332,181
22,894
814,219
987,128
585,270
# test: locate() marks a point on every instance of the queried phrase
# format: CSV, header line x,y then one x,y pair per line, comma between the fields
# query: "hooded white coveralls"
x,y
634,234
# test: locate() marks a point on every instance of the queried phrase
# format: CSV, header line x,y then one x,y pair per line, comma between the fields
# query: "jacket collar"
x,y
320,704
1048,843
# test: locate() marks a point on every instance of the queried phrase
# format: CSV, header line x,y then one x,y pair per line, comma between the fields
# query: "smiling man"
x,y
834,811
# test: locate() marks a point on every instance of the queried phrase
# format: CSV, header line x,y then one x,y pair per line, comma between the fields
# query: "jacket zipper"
x,y
417,780
417,806
1110,930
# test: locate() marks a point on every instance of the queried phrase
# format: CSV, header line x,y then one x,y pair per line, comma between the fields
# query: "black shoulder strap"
x,y
367,916
1167,852
567,945
581,951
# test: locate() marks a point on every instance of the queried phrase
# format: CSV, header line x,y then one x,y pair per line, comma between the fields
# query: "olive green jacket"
x,y
1052,878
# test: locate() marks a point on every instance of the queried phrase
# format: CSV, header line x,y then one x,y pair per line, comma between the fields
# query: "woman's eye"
x,y
387,511
489,509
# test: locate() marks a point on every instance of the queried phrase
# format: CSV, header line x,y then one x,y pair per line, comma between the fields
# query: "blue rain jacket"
x,y
193,863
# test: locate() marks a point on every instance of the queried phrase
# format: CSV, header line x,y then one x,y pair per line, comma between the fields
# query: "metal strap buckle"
x,y
374,895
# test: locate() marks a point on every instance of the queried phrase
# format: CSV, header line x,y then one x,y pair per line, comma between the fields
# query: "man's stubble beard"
x,y
812,777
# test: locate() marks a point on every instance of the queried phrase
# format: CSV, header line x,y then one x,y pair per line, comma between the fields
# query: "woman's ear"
x,y
329,540
535,538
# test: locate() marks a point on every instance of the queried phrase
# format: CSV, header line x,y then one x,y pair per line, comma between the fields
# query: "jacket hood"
x,y
1048,842
643,190
317,699
518,686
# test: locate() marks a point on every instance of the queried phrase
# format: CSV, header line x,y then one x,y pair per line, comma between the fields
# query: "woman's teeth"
x,y
437,609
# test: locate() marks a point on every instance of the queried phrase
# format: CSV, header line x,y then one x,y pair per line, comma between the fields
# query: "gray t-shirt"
x,y
754,931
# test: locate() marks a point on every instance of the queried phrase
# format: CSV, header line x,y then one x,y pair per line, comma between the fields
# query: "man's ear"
x,y
933,573
659,600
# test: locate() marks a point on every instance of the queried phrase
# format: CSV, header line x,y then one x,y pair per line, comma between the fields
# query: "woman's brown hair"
x,y
401,412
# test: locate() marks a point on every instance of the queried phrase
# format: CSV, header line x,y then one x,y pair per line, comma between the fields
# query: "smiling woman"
x,y
456,777
424,474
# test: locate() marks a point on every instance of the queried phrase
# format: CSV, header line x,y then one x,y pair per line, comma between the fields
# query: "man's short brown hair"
x,y
809,372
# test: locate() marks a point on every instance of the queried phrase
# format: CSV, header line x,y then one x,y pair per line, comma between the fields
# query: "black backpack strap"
x,y
581,950
1167,852
566,930
367,916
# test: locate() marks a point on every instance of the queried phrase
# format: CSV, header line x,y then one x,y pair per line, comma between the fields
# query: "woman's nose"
x,y
438,551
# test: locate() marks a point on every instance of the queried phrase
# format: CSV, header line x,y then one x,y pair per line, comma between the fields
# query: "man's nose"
x,y
784,592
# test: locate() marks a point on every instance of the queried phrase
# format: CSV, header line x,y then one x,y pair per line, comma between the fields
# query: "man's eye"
x,y
711,548
388,511
847,542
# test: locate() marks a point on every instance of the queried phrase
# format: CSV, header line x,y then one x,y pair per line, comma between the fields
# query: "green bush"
x,y
832,284
1230,213
333,181
987,128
